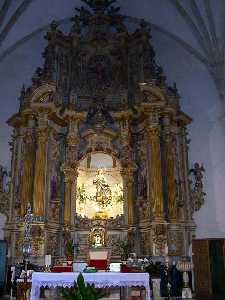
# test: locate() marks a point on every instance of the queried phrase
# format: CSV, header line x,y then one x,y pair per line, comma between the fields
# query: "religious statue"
x,y
197,192
103,195
98,242
97,237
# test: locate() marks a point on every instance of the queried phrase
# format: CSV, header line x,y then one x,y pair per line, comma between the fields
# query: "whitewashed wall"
x,y
199,98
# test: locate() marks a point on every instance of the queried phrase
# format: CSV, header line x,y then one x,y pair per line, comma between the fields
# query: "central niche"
x,y
99,193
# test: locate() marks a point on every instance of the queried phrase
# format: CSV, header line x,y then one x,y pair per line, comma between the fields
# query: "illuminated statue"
x,y
98,242
103,192
97,237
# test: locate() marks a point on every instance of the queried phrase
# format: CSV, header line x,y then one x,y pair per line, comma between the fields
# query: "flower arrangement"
x,y
138,263
124,247
82,195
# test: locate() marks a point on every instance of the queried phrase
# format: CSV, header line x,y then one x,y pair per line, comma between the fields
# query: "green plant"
x,y
82,194
124,248
81,291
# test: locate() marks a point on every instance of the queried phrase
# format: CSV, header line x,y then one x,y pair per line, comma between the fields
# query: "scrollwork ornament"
x,y
159,238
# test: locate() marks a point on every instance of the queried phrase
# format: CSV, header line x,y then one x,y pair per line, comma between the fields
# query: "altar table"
x,y
100,280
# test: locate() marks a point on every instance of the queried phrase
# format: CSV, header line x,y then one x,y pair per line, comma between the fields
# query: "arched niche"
x,y
99,192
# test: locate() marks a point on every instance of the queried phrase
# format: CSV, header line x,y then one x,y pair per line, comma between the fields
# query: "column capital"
x,y
72,139
167,134
153,130
28,136
42,134
70,173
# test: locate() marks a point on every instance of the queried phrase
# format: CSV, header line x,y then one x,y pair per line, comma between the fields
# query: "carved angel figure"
x,y
197,193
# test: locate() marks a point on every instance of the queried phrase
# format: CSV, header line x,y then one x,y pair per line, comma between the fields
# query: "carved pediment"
x,y
151,93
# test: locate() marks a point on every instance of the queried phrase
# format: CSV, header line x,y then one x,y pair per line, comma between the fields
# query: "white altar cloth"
x,y
100,280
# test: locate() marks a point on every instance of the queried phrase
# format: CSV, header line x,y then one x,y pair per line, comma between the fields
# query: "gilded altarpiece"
x,y
100,92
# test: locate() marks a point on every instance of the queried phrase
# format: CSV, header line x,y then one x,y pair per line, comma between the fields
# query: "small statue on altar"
x,y
97,237
98,242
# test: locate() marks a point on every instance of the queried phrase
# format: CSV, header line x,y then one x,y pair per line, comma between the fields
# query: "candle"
x,y
48,260
166,250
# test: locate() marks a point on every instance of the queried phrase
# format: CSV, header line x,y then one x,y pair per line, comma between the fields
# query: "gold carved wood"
x,y
156,176
27,173
77,97
170,176
70,176
39,178
128,182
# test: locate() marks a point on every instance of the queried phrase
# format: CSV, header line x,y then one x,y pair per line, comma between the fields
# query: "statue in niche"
x,y
103,195
97,237
98,241
142,185
55,186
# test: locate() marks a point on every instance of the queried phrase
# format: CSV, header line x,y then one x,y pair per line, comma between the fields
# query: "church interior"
x,y
112,143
